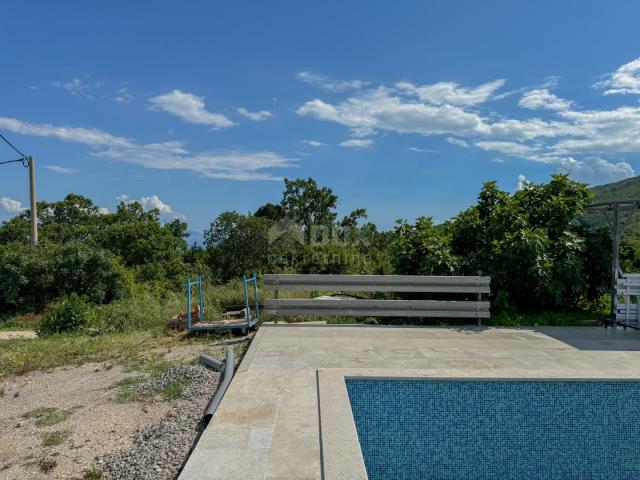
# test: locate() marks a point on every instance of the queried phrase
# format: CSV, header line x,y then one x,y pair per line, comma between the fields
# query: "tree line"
x,y
538,255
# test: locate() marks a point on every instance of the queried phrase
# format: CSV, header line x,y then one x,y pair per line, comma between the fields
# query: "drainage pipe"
x,y
222,388
211,362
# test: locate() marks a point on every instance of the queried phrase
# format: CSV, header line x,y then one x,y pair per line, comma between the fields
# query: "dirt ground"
x,y
84,399
54,424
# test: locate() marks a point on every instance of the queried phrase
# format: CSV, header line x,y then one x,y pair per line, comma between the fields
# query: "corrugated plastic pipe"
x,y
227,368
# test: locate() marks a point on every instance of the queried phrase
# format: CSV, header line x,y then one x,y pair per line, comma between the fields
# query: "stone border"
x,y
340,446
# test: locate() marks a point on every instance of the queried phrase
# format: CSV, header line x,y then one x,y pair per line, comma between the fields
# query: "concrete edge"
x,y
251,352
340,447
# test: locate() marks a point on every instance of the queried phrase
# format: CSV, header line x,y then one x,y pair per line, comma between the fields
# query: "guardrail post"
x,y
479,297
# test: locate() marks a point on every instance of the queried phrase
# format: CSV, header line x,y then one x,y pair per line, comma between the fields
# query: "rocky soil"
x,y
159,451
71,422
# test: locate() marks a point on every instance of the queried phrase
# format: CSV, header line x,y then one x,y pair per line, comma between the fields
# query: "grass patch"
x,y
47,416
574,318
53,439
20,356
92,473
173,391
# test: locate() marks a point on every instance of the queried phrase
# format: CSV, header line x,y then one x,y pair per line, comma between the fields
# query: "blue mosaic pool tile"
x,y
497,429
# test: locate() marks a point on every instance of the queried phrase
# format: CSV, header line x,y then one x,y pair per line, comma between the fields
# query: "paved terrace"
x,y
269,423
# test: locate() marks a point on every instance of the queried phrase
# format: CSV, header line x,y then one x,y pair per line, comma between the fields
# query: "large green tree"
x,y
309,205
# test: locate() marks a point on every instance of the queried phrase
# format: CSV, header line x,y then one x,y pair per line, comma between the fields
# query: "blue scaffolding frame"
x,y
251,318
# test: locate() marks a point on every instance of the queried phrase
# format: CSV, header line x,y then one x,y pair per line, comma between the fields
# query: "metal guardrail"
x,y
378,283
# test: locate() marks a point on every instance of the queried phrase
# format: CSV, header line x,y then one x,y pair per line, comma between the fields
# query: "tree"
x,y
421,249
271,211
153,250
530,245
309,205
237,244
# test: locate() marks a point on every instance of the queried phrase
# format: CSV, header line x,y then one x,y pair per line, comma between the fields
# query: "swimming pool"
x,y
497,429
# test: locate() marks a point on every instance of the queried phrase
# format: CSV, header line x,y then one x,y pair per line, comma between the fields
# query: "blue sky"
x,y
404,108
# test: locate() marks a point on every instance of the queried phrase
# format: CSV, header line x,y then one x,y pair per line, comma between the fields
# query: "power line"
x,y
12,146
25,161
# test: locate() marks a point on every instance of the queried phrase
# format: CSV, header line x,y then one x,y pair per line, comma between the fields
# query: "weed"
x,y
173,390
53,439
47,416
92,473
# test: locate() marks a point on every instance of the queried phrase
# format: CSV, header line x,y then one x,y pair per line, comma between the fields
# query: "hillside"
x,y
628,189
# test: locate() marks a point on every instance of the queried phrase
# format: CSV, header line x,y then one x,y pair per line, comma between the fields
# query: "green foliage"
x,y
421,249
270,211
48,416
53,439
309,205
32,276
537,257
69,315
153,250
93,473
237,244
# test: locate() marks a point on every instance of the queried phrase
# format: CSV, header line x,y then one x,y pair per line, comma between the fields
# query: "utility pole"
x,y
32,197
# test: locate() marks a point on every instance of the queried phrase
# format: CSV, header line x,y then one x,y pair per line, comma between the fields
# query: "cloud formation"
x,y
59,169
171,155
258,116
11,206
543,99
189,108
560,133
625,79
327,83
357,143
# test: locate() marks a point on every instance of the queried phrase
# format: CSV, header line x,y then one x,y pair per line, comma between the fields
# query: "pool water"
x,y
497,429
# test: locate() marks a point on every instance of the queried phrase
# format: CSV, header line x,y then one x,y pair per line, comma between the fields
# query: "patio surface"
x,y
276,423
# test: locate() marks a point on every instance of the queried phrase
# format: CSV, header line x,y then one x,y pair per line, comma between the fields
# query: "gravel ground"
x,y
131,440
159,450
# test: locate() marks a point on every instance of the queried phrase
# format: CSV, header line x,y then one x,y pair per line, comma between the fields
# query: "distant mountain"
x,y
195,237
628,189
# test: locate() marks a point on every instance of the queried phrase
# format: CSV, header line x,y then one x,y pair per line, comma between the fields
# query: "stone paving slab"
x,y
272,425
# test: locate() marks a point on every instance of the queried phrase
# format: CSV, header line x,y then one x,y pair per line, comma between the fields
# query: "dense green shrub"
x,y
421,249
68,315
31,276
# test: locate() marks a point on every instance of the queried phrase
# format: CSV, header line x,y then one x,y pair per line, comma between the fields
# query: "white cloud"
x,y
543,99
87,136
508,148
76,87
595,170
171,155
11,206
522,180
458,142
103,210
625,79
189,108
422,150
258,116
357,143
380,109
154,201
314,143
59,169
452,93
123,95
329,84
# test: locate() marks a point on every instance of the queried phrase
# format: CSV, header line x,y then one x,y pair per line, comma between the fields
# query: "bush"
x,y
69,315
31,276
